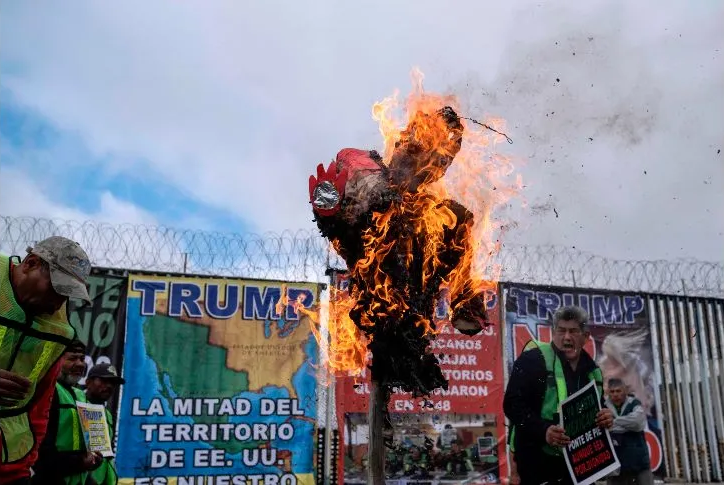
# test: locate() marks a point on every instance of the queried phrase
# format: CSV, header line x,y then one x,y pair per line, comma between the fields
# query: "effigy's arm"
x,y
467,301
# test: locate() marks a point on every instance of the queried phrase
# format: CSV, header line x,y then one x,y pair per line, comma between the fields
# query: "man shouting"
x,y
542,373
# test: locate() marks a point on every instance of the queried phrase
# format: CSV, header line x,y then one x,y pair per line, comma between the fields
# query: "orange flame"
x,y
478,179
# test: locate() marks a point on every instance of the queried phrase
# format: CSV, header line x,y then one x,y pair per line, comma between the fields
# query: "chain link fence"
x,y
305,256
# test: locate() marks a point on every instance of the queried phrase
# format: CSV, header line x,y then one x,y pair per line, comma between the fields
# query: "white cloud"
x,y
23,195
236,103
37,216
116,234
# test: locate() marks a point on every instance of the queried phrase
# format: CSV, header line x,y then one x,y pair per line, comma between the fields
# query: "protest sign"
x,y
223,382
93,422
590,455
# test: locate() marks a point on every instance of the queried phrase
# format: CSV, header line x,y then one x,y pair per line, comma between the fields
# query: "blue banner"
x,y
220,381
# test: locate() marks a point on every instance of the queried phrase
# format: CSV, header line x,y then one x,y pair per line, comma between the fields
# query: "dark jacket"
x,y
628,435
522,405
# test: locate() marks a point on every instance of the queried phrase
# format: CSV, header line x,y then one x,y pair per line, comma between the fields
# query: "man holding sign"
x,y
63,457
102,382
542,378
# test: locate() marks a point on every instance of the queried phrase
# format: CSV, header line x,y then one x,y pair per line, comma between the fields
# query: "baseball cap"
x,y
69,266
105,371
76,346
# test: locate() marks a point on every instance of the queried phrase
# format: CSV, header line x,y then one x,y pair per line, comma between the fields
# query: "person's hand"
x,y
556,436
13,388
91,461
514,477
604,418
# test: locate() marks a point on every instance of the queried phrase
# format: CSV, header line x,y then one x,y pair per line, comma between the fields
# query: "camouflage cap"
x,y
106,371
69,266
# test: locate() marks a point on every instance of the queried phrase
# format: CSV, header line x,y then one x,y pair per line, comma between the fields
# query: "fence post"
x,y
329,465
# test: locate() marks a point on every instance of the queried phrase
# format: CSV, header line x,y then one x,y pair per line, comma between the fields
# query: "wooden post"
x,y
376,446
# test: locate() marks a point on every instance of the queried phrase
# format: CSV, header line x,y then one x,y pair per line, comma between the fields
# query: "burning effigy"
x,y
407,243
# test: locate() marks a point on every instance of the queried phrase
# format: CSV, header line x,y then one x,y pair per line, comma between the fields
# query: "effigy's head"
x,y
349,186
426,149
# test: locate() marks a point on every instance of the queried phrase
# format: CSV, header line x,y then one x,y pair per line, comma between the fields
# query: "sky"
x,y
212,115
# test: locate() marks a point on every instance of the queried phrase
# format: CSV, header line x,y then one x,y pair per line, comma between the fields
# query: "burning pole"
x,y
406,244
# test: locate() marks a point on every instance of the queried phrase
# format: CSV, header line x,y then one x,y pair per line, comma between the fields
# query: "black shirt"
x,y
522,404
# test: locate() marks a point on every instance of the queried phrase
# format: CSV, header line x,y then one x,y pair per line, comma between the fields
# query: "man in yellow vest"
x,y
34,332
543,376
63,458
101,384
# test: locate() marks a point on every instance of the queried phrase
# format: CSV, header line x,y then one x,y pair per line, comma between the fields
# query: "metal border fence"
x,y
685,298
305,255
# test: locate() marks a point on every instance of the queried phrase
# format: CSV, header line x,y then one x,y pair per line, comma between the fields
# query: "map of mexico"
x,y
224,382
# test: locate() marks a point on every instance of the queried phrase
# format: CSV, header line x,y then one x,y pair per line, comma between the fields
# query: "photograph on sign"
x,y
428,447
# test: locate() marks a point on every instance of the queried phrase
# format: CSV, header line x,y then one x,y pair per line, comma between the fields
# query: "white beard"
x,y
69,380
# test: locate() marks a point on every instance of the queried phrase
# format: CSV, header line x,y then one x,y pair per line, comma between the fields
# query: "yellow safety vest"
x,y
30,349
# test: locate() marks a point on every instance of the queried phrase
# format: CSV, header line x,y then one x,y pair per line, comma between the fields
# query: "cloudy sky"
x,y
213,114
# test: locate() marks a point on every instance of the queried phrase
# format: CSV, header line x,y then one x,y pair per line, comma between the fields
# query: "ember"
x,y
407,243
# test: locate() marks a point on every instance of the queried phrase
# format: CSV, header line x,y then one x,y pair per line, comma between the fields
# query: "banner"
x,y
620,340
469,412
590,455
220,381
101,324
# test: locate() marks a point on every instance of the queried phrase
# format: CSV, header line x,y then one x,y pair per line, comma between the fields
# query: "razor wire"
x,y
305,256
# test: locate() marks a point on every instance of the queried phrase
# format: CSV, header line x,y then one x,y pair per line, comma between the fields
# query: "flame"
x,y
478,179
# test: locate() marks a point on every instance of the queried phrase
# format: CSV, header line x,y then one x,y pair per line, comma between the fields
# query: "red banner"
x,y
472,406
472,365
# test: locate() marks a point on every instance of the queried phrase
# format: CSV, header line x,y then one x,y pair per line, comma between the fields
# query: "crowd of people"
x,y
41,364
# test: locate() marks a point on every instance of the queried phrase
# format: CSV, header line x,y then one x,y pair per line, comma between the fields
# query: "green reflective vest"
x,y
106,473
70,433
30,349
556,390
